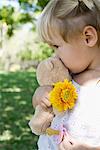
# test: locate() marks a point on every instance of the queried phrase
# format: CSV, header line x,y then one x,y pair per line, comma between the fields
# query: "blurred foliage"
x,y
42,3
28,4
6,16
26,13
13,19
25,55
44,52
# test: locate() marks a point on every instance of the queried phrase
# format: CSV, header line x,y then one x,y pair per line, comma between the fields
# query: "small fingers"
x,y
45,102
66,144
71,140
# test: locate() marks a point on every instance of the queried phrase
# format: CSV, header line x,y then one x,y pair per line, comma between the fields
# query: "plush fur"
x,y
49,71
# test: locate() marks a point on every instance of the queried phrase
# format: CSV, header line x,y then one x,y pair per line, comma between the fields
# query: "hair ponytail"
x,y
89,3
68,18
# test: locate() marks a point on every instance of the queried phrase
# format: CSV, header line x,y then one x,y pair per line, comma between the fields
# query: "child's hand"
x,y
69,143
41,120
41,97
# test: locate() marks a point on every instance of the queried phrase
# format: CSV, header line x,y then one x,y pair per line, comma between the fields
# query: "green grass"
x,y
16,90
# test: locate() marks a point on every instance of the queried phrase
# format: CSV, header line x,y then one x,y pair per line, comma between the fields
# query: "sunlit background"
x,y
20,53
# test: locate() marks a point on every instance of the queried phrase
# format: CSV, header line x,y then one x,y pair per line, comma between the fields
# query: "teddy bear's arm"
x,y
41,120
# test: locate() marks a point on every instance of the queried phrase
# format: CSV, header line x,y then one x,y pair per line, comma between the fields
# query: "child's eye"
x,y
55,46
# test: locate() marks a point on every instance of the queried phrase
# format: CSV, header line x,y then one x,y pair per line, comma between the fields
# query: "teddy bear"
x,y
49,71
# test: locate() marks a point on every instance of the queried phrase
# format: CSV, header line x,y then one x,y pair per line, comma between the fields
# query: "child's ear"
x,y
90,36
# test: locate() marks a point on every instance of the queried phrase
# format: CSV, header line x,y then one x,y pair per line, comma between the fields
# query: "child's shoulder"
x,y
93,83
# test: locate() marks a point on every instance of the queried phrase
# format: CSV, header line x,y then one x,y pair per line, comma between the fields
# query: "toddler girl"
x,y
72,28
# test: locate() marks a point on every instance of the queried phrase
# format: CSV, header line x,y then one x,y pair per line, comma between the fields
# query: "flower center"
x,y
65,95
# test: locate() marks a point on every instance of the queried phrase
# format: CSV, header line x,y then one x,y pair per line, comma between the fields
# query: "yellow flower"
x,y
63,96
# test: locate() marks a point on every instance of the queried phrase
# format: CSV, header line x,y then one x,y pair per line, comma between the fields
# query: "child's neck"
x,y
87,76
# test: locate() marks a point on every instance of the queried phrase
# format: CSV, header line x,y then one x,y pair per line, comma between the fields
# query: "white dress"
x,y
82,122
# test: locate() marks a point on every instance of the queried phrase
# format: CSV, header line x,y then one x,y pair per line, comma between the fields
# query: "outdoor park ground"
x,y
16,90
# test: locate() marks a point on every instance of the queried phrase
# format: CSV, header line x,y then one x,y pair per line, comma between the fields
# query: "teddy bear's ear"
x,y
49,65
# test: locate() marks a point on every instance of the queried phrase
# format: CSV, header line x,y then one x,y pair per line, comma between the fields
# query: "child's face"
x,y
75,55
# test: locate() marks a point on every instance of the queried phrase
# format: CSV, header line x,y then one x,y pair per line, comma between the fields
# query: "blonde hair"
x,y
68,18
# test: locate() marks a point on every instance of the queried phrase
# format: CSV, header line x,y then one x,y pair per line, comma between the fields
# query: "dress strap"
x,y
98,82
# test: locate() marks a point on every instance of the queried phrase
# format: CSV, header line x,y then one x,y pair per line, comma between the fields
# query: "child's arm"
x,y
43,115
41,120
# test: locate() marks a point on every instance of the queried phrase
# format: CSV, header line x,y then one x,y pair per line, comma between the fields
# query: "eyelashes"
x,y
55,46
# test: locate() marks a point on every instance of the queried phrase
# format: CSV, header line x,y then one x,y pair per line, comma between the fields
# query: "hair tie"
x,y
80,1
88,3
